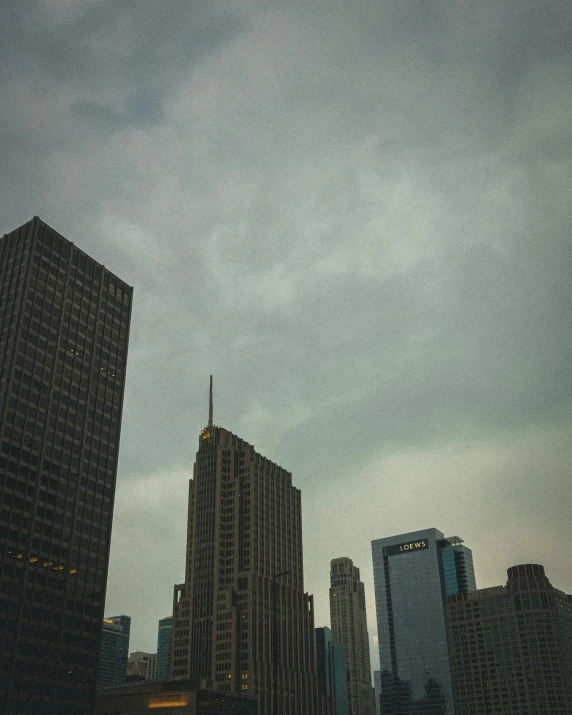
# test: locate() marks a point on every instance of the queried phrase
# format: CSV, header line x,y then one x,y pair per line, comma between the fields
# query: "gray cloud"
x,y
358,218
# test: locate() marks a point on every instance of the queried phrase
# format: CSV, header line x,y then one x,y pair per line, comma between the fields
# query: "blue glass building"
x,y
332,670
114,651
164,647
413,575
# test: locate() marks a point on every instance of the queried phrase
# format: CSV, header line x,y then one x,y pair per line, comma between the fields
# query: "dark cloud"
x,y
357,216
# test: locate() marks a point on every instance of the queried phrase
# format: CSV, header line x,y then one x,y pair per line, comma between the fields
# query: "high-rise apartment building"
x,y
511,647
242,619
114,651
332,671
349,627
64,328
413,575
164,647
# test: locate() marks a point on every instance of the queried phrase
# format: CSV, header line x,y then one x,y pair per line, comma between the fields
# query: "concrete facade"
x,y
349,627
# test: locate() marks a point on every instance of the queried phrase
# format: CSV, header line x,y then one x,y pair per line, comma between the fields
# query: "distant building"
x,y
511,647
332,671
182,697
164,647
64,329
114,651
413,575
349,627
142,664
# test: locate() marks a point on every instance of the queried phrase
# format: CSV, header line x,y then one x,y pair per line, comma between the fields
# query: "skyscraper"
x,y
332,670
349,627
242,619
164,647
114,651
64,327
413,574
511,647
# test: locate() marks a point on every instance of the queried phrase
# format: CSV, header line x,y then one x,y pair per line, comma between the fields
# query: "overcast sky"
x,y
357,216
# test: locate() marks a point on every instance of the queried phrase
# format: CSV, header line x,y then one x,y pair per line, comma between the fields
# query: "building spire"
x,y
211,403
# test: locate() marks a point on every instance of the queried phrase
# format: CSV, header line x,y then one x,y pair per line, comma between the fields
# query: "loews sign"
x,y
407,547
169,700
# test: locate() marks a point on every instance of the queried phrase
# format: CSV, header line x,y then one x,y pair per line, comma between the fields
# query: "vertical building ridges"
x,y
349,627
243,599
64,328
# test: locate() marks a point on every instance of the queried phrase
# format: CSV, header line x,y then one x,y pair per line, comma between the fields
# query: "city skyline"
x,y
357,218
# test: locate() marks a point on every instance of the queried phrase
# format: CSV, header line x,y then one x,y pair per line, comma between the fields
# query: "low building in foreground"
x,y
183,697
510,647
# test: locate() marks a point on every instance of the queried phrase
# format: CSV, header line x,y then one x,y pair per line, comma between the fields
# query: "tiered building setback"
x,y
242,619
349,627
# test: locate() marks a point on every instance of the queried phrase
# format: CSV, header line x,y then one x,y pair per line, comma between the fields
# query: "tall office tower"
x,y
413,574
114,651
143,665
349,627
332,671
242,619
511,647
64,327
164,647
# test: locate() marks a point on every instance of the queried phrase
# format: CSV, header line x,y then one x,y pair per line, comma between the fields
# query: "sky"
x,y
357,217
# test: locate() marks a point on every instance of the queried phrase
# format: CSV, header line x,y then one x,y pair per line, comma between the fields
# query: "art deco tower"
x,y
64,327
242,619
349,627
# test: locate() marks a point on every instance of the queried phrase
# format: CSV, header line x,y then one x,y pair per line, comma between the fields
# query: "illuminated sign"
x,y
169,700
207,433
407,547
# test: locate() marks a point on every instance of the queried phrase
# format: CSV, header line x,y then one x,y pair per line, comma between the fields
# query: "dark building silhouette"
x,y
413,575
511,647
64,327
242,620
114,651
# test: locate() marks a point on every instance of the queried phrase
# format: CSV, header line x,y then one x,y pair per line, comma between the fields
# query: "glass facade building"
x,y
332,671
164,634
114,651
64,327
413,575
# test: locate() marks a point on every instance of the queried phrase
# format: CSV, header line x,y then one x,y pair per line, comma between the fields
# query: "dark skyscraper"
x,y
511,647
64,327
413,575
242,619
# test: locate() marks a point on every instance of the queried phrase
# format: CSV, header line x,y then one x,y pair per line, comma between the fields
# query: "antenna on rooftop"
x,y
211,403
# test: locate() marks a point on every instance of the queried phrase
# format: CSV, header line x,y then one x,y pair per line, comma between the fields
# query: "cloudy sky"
x,y
357,216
